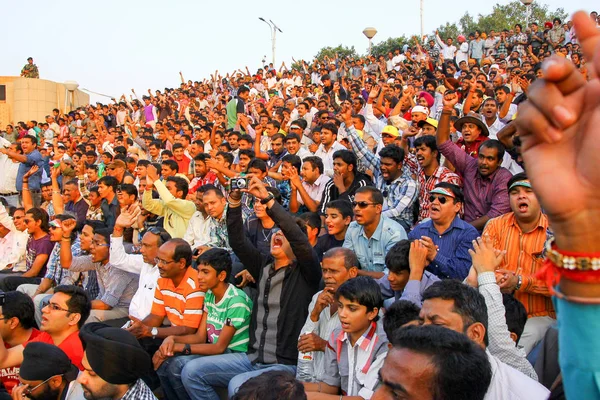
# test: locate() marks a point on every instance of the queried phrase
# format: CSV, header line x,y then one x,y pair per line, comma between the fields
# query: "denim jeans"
x,y
225,370
169,374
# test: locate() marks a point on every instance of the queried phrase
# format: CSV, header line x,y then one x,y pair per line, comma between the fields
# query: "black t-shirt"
x,y
325,243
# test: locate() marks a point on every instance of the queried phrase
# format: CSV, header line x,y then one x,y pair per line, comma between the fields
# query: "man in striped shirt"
x,y
177,297
224,326
522,234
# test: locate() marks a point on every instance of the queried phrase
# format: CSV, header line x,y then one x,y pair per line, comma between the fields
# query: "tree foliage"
x,y
503,16
340,50
390,44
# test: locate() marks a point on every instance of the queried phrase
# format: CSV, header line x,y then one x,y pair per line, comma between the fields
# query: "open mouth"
x,y
277,242
523,207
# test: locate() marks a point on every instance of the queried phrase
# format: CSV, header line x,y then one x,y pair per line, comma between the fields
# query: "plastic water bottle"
x,y
305,368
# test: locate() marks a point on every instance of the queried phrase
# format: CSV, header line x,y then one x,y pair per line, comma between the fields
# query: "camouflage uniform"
x,y
30,71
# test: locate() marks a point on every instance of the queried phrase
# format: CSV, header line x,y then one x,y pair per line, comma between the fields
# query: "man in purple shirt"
x,y
485,181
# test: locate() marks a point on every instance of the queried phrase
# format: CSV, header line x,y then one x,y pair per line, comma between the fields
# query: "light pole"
x,y
273,28
527,4
422,29
370,33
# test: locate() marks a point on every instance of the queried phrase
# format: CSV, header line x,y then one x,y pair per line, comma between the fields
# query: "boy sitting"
x,y
356,351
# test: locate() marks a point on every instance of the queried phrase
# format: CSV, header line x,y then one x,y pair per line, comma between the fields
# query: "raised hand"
x,y
31,171
559,133
485,258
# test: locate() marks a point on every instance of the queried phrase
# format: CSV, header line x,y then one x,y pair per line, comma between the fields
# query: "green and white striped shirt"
x,y
234,309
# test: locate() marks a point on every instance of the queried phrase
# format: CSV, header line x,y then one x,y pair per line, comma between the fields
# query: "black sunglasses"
x,y
362,204
441,199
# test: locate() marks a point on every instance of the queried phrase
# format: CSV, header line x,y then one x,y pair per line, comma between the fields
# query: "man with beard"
x,y
114,363
45,374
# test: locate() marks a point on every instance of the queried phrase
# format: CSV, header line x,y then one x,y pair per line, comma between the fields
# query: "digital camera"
x,y
238,183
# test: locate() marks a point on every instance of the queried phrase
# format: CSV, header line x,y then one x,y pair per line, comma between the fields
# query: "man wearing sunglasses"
x,y
447,238
45,374
371,235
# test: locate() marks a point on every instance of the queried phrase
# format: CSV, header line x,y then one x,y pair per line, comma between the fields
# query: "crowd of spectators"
x,y
287,233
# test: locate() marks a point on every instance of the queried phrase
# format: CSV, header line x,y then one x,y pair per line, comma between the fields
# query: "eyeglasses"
x,y
362,204
159,261
27,220
441,199
56,307
27,392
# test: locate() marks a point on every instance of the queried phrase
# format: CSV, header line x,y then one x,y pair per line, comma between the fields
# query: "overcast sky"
x,y
144,44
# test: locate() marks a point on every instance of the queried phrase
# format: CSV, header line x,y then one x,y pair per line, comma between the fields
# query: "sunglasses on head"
x,y
362,204
441,199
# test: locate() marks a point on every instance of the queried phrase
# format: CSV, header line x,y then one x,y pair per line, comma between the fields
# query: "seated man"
x,y
371,235
356,351
143,264
406,262
484,179
198,229
172,205
224,326
345,181
45,365
64,315
18,312
433,362
286,280
114,364
116,287
461,308
389,177
522,234
338,216
338,265
308,191
446,237
177,297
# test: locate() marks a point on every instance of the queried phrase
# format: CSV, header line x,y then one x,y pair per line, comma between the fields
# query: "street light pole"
x,y
527,4
422,29
273,28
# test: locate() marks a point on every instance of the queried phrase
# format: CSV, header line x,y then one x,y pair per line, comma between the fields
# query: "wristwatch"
x,y
267,199
187,350
519,282
154,332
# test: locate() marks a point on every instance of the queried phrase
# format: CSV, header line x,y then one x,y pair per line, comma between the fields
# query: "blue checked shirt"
x,y
399,195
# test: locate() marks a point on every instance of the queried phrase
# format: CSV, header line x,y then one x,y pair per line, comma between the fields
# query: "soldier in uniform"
x,y
30,70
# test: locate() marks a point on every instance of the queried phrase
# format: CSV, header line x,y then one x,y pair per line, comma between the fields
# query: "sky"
x,y
126,44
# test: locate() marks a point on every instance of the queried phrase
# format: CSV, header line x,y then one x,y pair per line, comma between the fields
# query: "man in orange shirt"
x,y
522,234
176,297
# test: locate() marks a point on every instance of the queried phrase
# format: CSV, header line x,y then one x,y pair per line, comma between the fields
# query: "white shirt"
x,y
494,128
397,60
509,384
14,245
9,169
447,51
198,230
314,190
327,156
462,53
512,110
141,303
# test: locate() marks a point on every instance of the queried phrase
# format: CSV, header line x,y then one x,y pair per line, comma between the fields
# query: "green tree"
x,y
503,16
390,44
341,51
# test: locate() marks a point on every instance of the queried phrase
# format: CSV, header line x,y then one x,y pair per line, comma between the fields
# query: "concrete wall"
x,y
28,99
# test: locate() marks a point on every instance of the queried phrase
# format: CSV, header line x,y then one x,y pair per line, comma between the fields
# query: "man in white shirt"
x,y
463,309
448,49
142,264
8,175
198,231
328,146
13,240
338,265
398,59
308,191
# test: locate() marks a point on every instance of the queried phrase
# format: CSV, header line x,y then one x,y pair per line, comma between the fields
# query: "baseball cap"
x,y
390,130
420,109
116,164
430,121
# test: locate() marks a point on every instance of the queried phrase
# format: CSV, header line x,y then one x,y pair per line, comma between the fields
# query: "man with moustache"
x,y
522,234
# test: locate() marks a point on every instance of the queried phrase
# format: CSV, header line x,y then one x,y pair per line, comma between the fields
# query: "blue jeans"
x,y
225,370
169,374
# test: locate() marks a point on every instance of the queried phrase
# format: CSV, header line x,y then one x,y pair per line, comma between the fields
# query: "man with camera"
x,y
286,279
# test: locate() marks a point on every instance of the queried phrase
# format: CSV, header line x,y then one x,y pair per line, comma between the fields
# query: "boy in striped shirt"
x,y
224,327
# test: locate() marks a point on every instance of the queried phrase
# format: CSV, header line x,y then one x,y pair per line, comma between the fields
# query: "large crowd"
x,y
352,228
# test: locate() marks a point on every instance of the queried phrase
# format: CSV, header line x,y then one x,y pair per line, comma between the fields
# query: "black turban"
x,y
42,361
114,354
